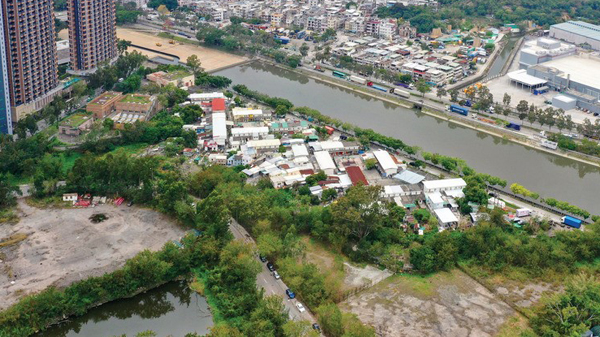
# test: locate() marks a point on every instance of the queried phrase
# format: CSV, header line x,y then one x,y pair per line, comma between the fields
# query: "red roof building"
x,y
218,104
356,175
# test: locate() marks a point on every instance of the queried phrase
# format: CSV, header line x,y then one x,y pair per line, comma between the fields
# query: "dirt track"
x,y
64,246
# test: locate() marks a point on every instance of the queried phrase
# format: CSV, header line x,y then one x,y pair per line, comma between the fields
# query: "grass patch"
x,y
514,326
198,286
69,161
134,98
177,38
49,202
19,180
130,149
12,240
8,216
50,131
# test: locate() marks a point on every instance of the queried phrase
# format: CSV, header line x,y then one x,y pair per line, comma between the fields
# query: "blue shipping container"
x,y
571,221
459,109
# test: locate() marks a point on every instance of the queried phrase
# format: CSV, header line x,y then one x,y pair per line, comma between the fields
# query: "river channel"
x,y
545,173
170,310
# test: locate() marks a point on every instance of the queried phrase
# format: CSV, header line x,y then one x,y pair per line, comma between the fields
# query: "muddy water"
x,y
170,310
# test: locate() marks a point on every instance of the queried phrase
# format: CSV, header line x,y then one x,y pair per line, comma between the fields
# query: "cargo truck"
x,y
358,80
522,212
375,86
404,85
459,109
400,93
571,221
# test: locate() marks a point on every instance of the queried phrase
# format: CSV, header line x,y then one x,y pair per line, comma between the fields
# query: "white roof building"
x,y
443,185
388,165
300,150
219,131
325,162
244,112
264,144
445,216
255,131
205,96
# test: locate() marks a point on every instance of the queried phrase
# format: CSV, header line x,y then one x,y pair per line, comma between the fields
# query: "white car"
x,y
300,307
276,275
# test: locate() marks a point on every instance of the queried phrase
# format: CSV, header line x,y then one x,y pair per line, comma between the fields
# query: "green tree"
x,y
506,99
194,63
7,192
370,163
170,4
358,213
304,48
441,92
282,110
570,313
423,259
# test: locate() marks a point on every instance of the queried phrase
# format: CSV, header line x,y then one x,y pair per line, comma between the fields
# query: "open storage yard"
x,y
444,304
63,245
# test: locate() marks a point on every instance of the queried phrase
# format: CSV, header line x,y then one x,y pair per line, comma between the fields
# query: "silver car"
x,y
276,275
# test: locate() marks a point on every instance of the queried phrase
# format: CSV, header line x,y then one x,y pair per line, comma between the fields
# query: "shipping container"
x,y
521,212
358,80
571,221
401,93
459,109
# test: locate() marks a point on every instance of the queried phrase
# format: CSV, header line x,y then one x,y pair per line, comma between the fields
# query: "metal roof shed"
x,y
386,162
409,177
325,162
445,216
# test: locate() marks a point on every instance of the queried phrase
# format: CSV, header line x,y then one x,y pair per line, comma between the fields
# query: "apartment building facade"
x,y
31,57
92,34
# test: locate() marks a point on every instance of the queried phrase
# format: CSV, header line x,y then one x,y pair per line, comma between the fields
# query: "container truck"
x,y
375,86
459,109
400,93
514,126
571,221
358,80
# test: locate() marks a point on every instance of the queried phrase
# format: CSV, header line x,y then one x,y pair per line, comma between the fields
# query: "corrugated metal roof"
x,y
581,28
409,177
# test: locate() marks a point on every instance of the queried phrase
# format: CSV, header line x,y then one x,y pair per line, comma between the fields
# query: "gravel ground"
x,y
63,245
445,304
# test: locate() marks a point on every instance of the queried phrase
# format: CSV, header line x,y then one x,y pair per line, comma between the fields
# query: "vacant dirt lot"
x,y
445,304
63,245
211,59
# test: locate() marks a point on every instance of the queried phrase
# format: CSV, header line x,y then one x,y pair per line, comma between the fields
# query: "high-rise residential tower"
x,y
5,111
31,60
92,34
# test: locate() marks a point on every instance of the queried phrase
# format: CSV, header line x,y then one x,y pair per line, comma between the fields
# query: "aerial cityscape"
x,y
299,168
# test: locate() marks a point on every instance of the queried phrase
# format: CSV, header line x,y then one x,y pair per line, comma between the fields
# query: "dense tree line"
x,y
127,12
544,13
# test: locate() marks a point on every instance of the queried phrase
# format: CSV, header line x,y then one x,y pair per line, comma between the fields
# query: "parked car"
x,y
270,266
316,327
300,307
262,258
276,275
290,294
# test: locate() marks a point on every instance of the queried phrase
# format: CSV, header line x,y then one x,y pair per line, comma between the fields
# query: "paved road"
x,y
267,282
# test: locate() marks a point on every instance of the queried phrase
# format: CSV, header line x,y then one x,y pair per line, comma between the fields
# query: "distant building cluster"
x,y
567,62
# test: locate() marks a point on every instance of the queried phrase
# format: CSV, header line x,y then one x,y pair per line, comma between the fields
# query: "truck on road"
x,y
377,87
401,93
571,221
358,80
459,109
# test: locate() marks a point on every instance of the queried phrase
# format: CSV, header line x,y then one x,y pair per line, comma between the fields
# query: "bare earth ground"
x,y
211,59
64,246
444,304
